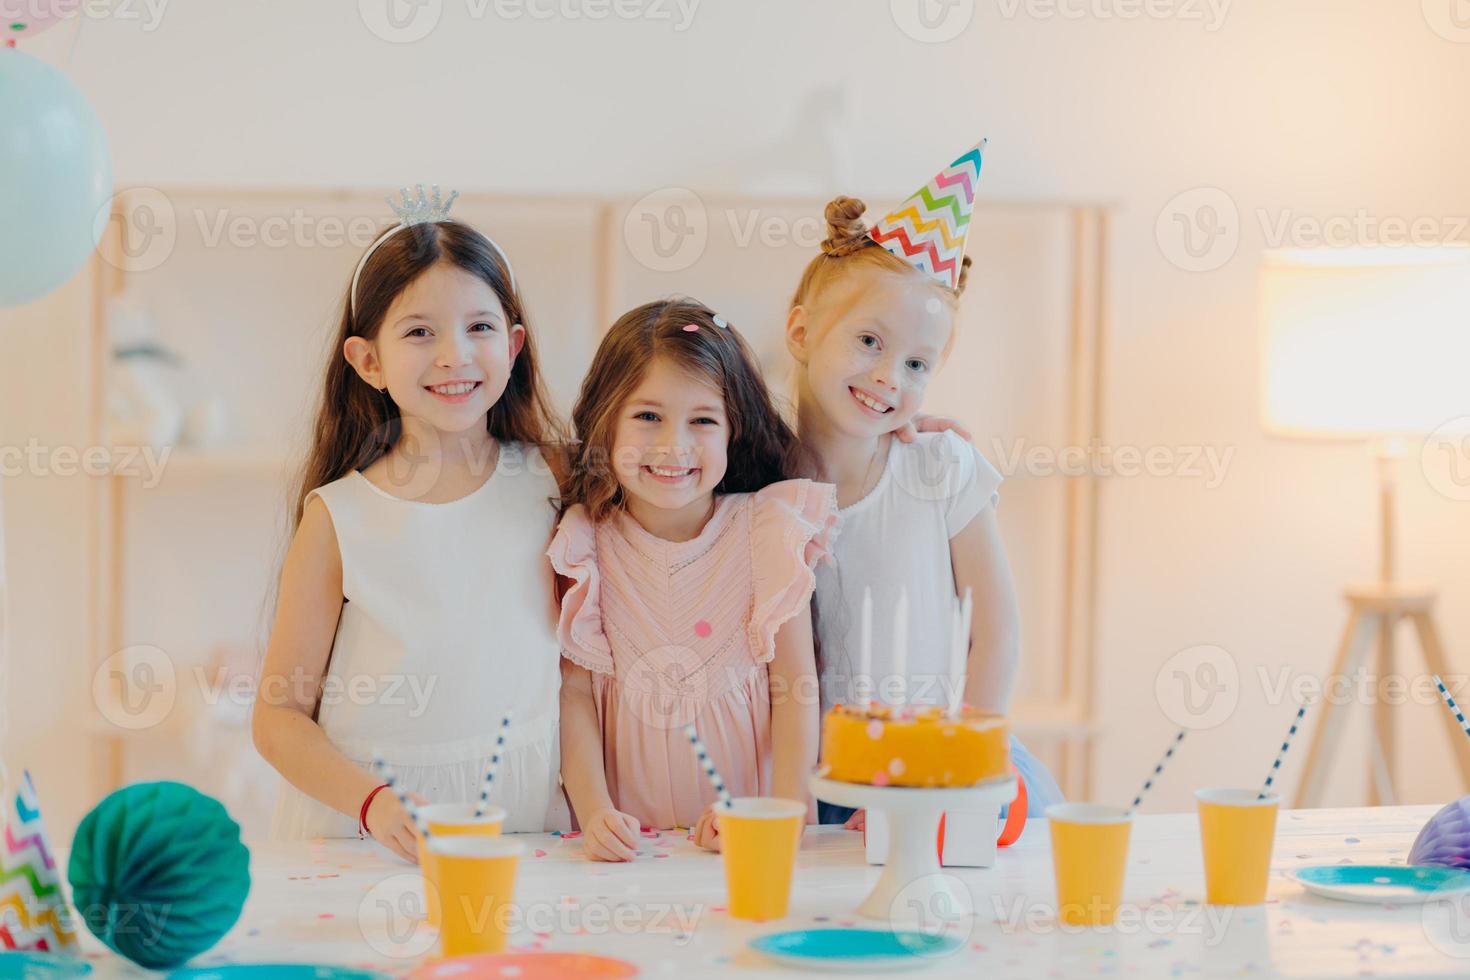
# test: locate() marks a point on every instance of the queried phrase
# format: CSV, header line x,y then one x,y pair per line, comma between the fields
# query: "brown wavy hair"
x,y
763,447
355,423
848,246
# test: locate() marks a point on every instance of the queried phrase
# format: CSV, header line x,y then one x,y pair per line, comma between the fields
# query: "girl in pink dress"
x,y
691,560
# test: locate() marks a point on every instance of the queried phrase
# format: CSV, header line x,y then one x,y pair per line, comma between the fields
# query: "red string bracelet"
x,y
362,827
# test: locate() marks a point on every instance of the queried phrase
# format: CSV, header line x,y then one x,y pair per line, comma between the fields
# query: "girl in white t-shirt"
x,y
416,605
868,328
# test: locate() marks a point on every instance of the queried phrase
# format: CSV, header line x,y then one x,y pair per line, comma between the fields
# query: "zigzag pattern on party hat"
x,y
929,229
33,910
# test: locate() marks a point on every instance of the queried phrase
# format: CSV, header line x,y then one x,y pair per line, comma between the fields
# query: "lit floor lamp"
x,y
1369,343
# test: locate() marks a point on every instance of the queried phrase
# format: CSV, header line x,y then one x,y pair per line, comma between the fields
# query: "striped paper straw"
x,y
1153,777
386,775
709,767
1285,744
1449,702
484,803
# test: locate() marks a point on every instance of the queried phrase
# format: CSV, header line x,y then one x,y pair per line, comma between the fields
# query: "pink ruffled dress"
x,y
675,632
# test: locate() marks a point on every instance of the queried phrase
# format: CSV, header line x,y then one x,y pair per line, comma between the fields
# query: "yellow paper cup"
x,y
1089,851
452,820
475,877
759,837
1236,832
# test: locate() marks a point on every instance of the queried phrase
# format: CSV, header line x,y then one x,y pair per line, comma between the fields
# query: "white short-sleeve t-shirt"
x,y
895,537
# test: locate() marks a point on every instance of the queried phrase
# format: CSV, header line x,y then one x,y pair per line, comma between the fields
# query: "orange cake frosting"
x,y
924,747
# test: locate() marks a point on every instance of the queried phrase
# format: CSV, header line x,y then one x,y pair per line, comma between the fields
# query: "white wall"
x,y
1291,107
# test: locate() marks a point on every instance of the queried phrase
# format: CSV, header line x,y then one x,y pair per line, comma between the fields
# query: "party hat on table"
x,y
929,229
33,911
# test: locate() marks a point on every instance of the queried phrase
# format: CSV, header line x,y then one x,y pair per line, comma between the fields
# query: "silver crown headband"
x,y
419,209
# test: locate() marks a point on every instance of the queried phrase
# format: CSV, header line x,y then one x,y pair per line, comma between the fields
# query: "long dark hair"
x,y
763,448
356,424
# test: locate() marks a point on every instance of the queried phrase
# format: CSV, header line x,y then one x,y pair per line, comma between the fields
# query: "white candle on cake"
x,y
960,655
901,647
863,689
956,661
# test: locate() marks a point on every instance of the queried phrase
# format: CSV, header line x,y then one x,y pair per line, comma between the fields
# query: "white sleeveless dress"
x,y
449,622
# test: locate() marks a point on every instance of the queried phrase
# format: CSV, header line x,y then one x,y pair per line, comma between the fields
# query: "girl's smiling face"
x,y
870,344
670,443
444,350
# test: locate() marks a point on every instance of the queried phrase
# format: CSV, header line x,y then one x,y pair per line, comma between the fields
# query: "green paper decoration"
x,y
158,873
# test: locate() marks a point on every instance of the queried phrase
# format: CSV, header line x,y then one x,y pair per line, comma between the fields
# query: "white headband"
x,y
419,210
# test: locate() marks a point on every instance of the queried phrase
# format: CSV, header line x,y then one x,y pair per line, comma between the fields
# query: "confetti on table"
x,y
1351,840
538,853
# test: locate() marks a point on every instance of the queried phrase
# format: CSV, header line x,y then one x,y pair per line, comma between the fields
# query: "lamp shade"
x,y
1365,342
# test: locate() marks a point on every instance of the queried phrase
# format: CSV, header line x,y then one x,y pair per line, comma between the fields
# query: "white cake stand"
x,y
912,886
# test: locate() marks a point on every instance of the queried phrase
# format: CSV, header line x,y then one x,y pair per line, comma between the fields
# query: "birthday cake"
x,y
914,746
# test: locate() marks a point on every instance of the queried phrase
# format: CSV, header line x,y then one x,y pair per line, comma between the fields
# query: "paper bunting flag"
x,y
929,229
33,911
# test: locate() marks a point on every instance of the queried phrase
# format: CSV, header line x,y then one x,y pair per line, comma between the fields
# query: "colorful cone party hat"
x,y
33,912
929,229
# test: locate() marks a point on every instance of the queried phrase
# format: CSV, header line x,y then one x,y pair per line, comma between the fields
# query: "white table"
x,y
344,901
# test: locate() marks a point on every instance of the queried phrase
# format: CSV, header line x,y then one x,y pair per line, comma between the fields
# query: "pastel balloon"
x,y
57,174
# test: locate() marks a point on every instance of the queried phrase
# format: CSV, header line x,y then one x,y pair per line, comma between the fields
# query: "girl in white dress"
x,y
416,606
872,320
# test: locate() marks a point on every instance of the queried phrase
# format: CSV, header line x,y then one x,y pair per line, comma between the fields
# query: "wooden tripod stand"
x,y
1376,609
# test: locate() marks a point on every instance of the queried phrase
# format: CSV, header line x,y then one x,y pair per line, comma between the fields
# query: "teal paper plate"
x,y
850,950
40,966
272,971
1383,884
